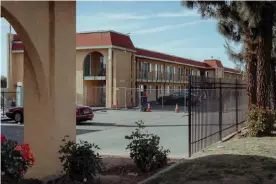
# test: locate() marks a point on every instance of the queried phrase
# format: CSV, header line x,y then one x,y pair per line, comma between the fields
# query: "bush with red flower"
x,y
15,159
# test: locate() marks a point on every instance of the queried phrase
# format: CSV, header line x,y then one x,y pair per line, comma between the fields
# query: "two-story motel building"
x,y
110,69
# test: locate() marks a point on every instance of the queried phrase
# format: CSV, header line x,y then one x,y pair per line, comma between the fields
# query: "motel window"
x,y
171,89
87,66
189,72
170,69
103,62
156,71
179,73
140,65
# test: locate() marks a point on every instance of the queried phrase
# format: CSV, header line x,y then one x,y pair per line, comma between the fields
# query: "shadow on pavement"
x,y
17,132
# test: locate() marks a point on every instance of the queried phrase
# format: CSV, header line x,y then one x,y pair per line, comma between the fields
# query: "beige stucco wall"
x,y
48,48
121,77
17,73
17,70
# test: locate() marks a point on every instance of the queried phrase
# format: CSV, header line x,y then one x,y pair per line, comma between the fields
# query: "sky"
x,y
160,26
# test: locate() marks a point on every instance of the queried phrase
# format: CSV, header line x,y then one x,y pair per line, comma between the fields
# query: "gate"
x,y
216,108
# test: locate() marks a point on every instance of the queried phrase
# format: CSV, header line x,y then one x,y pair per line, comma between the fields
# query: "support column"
x,y
109,78
50,114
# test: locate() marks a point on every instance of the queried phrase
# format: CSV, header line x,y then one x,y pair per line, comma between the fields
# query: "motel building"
x,y
110,70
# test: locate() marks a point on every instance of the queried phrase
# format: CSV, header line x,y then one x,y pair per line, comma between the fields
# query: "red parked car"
x,y
83,113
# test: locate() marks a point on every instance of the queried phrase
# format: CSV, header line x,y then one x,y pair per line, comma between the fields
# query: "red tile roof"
x,y
91,39
214,63
232,70
109,38
158,55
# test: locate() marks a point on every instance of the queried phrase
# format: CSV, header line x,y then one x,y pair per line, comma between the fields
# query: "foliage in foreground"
x,y
145,151
260,122
79,161
15,159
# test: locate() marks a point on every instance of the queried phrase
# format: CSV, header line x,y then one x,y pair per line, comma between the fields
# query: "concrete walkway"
x,y
114,125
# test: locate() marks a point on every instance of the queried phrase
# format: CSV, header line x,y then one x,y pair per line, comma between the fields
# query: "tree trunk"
x,y
273,84
252,83
264,57
251,69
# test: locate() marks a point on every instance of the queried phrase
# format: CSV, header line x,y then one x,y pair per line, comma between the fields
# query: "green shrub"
x,y
260,122
145,151
79,161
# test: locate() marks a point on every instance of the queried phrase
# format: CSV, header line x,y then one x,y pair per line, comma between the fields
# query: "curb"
x,y
232,135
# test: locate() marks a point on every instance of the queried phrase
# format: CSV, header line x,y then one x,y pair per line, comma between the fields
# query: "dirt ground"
x,y
237,161
122,170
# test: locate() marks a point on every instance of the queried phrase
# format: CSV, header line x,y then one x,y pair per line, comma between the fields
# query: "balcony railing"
x,y
95,74
154,76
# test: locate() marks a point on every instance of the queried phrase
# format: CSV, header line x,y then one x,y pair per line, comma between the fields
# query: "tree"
x,y
273,68
3,81
248,23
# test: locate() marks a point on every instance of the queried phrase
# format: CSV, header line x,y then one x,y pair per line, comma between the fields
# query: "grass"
x,y
238,161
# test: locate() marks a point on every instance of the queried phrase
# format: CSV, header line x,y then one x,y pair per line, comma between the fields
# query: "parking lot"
x,y
109,128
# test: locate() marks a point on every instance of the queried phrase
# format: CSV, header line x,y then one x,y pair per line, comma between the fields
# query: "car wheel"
x,y
18,117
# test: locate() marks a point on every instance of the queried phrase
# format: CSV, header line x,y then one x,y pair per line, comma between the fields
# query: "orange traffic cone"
x,y
149,108
176,108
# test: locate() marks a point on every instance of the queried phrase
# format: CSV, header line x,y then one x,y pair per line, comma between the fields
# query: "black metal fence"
x,y
7,101
220,112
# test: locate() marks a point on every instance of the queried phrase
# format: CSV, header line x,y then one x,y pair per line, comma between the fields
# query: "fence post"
x,y
220,110
190,115
237,101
